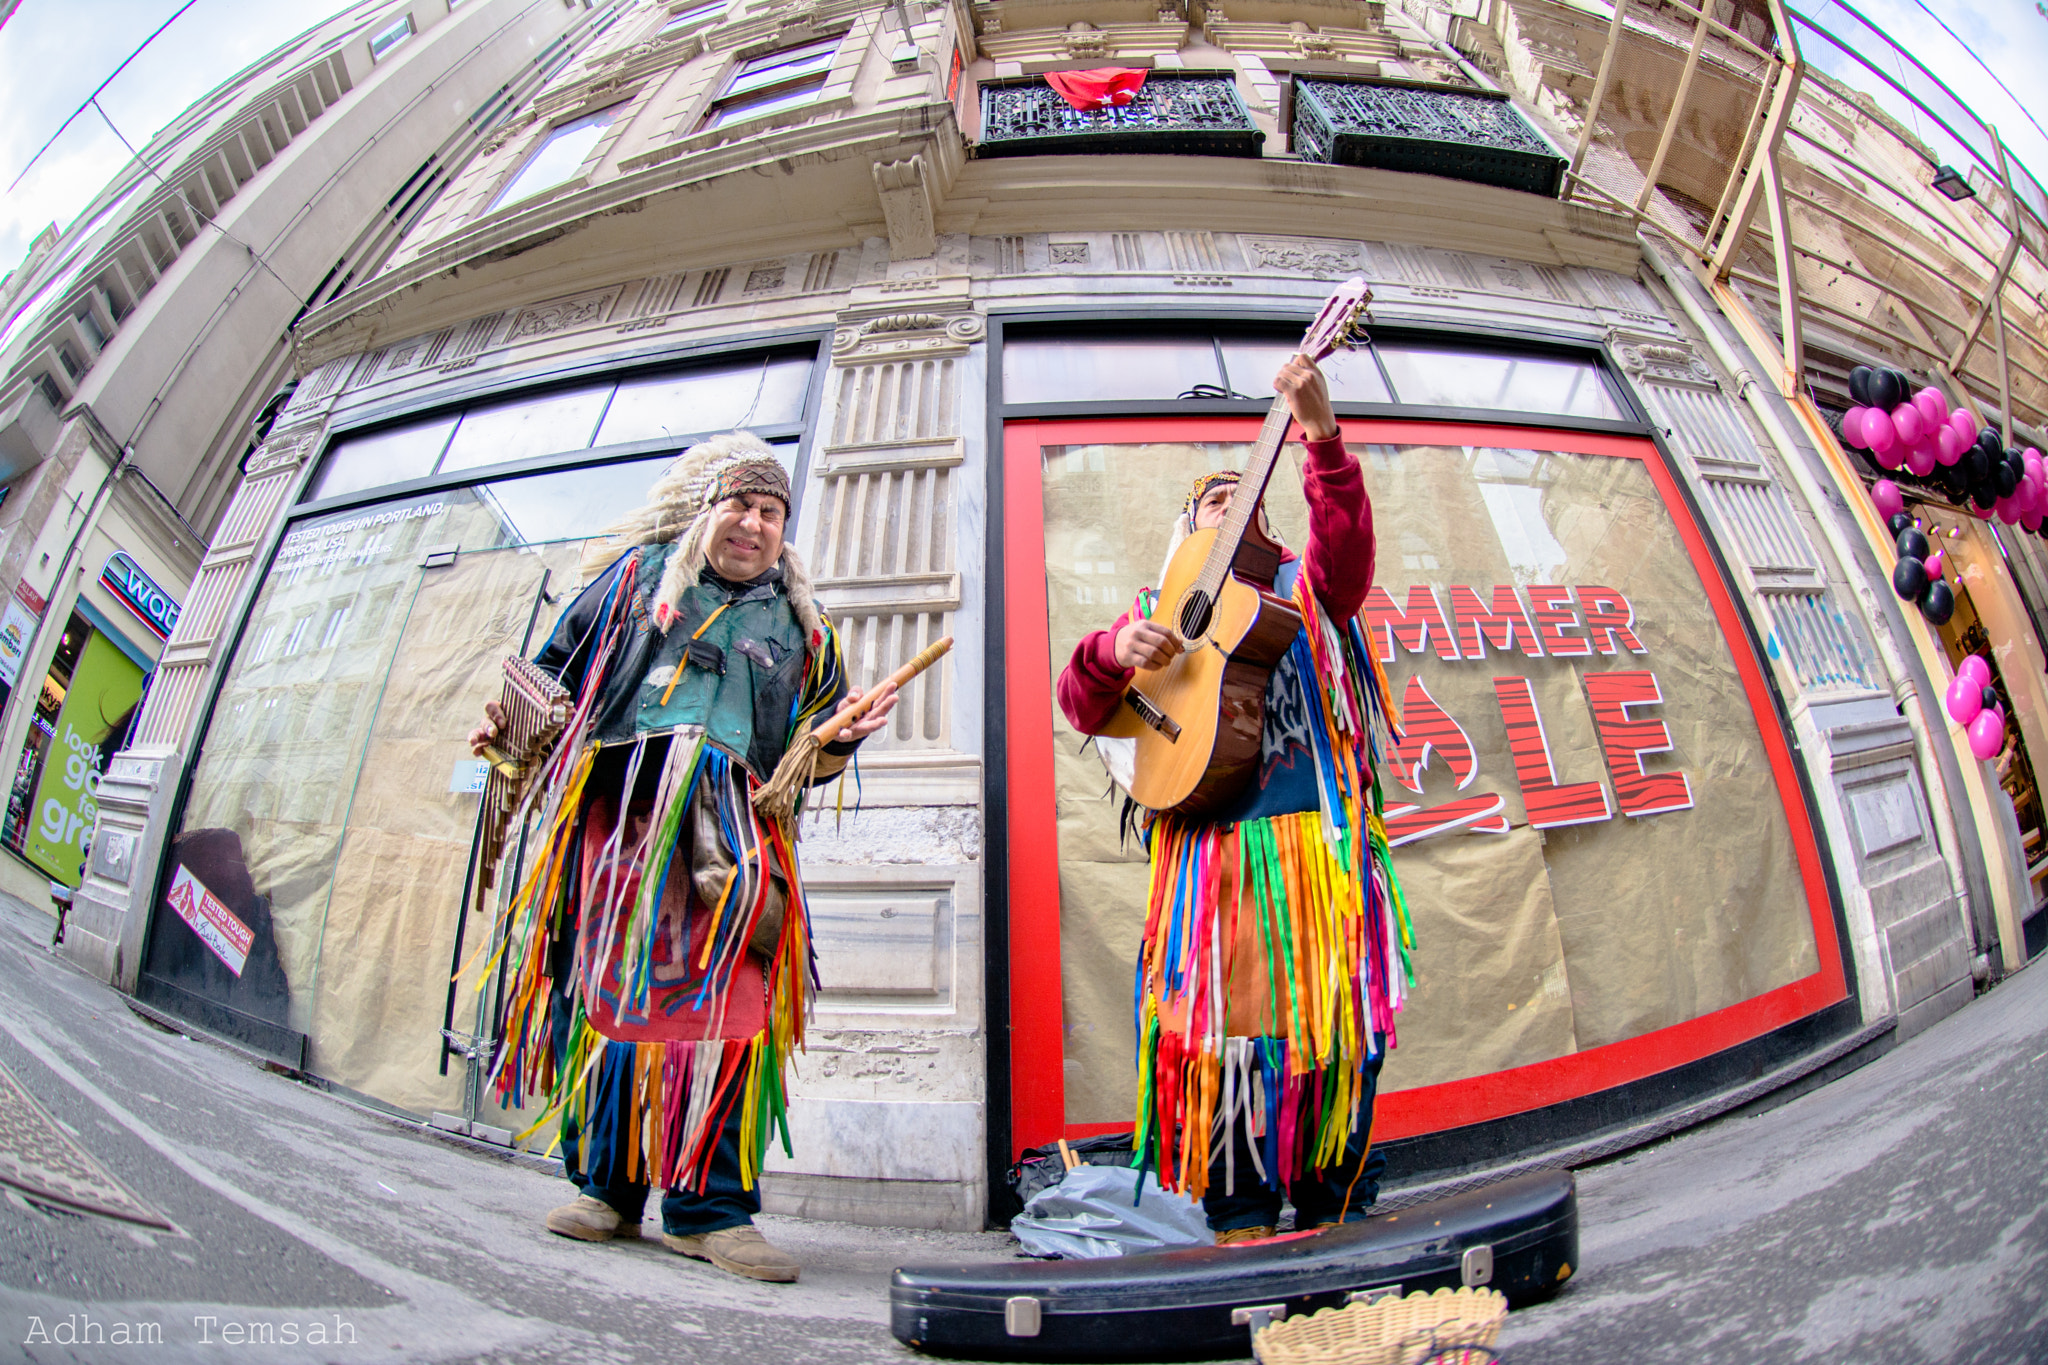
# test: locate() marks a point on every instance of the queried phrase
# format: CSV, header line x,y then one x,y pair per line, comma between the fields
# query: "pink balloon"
x,y
2036,468
2008,509
1987,735
1963,700
1852,428
1933,407
1974,668
1920,460
1885,496
1980,513
1949,446
1891,457
2028,496
1934,565
1965,423
1878,431
1907,424
2032,521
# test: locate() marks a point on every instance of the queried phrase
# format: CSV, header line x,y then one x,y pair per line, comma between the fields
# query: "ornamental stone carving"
x,y
560,316
906,336
1660,360
1323,260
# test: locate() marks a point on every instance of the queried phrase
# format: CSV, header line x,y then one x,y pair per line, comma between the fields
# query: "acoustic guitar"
x,y
1198,721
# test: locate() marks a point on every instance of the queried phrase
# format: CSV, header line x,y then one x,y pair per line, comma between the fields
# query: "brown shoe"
x,y
738,1250
589,1220
1224,1239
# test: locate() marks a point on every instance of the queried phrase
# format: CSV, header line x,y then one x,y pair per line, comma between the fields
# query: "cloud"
x,y
54,52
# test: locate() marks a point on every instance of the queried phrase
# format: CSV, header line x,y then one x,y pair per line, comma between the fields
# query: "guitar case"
x,y
1520,1236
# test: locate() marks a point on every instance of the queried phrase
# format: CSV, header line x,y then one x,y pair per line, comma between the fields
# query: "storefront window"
x,y
1597,823
756,393
677,406
331,808
1454,377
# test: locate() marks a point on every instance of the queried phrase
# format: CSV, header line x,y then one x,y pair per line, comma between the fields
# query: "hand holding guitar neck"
x,y
1308,397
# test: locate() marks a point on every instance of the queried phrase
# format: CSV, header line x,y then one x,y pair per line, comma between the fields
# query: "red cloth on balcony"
x,y
1097,89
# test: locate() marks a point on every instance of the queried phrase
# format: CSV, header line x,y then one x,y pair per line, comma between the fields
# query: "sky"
x,y
53,52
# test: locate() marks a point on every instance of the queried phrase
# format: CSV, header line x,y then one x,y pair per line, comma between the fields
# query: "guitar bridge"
x,y
1153,716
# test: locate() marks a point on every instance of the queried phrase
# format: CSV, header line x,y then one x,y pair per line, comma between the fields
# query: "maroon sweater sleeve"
x,y
1092,683
1339,557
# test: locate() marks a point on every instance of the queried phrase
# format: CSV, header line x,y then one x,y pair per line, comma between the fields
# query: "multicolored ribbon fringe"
x,y
656,1107
1331,932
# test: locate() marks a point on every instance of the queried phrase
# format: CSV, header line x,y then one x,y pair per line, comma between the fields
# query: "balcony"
x,y
1182,114
1473,135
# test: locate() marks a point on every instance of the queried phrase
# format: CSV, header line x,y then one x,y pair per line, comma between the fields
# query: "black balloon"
x,y
1984,494
1909,579
1989,696
1885,390
1859,385
1991,443
1912,544
2008,478
1976,465
1899,523
1939,603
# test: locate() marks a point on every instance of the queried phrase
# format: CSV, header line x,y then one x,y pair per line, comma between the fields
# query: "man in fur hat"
x,y
1259,906
666,969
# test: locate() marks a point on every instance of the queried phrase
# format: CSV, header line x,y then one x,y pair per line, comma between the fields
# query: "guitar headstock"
x,y
1339,323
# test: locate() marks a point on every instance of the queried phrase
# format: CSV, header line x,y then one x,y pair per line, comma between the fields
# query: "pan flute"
x,y
536,708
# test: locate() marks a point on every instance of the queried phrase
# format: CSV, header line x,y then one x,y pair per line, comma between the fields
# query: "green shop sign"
x,y
104,689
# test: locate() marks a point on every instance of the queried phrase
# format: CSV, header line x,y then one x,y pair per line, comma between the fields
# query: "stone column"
x,y
110,912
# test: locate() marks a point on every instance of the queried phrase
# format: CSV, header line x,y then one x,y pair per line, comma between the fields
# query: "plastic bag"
x,y
1097,1211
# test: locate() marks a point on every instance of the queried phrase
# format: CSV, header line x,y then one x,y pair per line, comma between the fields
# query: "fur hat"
x,y
678,508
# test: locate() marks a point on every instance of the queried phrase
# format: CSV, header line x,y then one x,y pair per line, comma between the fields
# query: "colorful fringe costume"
x,y
1275,949
659,912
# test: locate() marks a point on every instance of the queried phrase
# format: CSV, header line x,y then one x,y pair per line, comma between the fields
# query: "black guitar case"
x,y
1520,1236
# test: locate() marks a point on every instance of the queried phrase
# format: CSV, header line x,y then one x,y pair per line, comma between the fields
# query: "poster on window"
x,y
1596,821
105,686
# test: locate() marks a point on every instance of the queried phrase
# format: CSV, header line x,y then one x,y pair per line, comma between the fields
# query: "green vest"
x,y
741,667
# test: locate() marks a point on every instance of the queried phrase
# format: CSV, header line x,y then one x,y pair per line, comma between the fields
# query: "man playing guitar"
x,y
1281,1141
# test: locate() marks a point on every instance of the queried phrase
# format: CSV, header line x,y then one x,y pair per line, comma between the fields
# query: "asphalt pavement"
x,y
1895,1214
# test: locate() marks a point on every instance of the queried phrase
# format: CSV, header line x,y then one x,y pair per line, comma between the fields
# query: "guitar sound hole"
x,y
1196,609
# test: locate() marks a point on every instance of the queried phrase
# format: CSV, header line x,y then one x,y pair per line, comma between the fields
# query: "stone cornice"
x,y
425,292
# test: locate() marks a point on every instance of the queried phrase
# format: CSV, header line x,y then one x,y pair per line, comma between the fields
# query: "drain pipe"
x,y
1904,690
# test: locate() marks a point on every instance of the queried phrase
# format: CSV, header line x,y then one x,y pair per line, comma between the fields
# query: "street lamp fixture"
x,y
1950,182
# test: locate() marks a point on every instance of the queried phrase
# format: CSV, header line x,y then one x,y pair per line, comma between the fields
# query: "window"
x,y
390,36
692,15
556,159
775,80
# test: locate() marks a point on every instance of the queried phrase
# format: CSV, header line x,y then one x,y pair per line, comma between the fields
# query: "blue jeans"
x,y
725,1202
1342,1192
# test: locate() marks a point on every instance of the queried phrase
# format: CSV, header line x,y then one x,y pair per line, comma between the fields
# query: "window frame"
x,y
734,106
499,200
394,35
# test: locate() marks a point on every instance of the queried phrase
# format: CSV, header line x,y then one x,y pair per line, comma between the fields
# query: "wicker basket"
x,y
1391,1331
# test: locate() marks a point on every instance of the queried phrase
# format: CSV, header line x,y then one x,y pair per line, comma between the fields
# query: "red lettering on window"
x,y
1501,627
1413,628
1610,620
1625,742
1552,608
1548,803
1426,729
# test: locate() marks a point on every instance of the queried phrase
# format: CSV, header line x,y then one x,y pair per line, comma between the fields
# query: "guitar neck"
x,y
1244,503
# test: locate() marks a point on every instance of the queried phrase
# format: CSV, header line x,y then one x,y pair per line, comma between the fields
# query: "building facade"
x,y
1677,812
148,347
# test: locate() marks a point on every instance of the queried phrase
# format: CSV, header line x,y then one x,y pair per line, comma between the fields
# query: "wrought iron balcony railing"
x,y
1471,135
1182,114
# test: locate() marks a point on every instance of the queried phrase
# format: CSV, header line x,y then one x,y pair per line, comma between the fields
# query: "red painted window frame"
x,y
1037,1076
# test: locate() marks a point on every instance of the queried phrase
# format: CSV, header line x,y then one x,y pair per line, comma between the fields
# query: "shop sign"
x,y
218,927
17,627
25,592
139,593
105,687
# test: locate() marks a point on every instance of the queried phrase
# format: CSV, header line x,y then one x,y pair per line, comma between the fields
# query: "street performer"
x,y
1274,951
661,956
